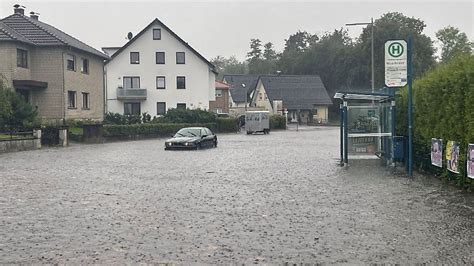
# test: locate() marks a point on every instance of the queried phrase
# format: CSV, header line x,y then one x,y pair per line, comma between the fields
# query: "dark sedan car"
x,y
192,138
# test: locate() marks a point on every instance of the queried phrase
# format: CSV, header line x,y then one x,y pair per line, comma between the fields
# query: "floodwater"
x,y
278,198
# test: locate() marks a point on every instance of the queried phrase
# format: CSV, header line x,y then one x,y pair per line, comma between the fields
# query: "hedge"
x,y
443,107
277,122
149,129
227,124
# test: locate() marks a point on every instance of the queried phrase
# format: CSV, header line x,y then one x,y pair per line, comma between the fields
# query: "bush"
x,y
277,122
227,125
15,113
189,116
443,103
150,129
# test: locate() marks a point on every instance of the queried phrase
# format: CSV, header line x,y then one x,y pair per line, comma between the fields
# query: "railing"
x,y
131,94
12,135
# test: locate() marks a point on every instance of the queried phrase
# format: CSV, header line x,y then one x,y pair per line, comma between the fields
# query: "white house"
x,y
155,71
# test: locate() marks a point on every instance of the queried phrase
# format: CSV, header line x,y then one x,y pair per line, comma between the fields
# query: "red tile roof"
x,y
222,85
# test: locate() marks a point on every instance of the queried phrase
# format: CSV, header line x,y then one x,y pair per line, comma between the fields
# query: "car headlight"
x,y
189,143
168,143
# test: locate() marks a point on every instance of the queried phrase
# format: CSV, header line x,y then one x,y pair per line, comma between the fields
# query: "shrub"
x,y
277,122
227,124
189,116
15,112
443,103
150,129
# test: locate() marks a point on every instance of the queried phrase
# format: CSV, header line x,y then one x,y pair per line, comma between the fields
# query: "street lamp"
x,y
243,86
371,23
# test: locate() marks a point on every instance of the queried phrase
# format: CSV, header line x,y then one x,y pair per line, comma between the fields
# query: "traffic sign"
x,y
396,63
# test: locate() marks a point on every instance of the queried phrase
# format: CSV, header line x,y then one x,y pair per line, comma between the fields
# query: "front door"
x,y
25,94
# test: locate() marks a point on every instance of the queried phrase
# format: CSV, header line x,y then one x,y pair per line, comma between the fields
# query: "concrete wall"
x,y
92,83
21,144
322,113
221,102
200,81
47,66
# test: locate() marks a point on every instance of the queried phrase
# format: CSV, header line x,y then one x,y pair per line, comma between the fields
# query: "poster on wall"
x,y
452,154
437,152
470,161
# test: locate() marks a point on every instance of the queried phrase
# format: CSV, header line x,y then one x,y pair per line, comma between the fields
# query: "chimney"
x,y
34,15
19,9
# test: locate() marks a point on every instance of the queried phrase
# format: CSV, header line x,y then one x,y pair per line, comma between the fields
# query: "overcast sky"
x,y
225,27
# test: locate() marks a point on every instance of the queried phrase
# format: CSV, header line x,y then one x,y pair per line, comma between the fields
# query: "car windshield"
x,y
188,132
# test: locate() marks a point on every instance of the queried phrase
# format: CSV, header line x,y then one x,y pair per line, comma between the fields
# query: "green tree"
x,y
269,53
295,47
394,25
255,50
15,113
229,65
453,43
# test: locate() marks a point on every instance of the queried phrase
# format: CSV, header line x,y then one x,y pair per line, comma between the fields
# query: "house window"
x,y
261,96
134,58
218,93
160,57
131,82
181,106
156,34
181,82
71,99
131,108
71,62
85,101
218,110
21,58
160,82
85,66
160,108
180,58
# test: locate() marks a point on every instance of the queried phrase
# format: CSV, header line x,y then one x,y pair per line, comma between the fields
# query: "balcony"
x,y
131,94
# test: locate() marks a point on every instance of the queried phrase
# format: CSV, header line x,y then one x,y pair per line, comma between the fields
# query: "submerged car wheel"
x,y
198,146
215,143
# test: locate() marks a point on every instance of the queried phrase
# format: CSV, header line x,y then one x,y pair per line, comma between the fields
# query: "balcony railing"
x,y
131,94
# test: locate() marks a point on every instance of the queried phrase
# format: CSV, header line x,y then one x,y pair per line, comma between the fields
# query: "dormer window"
x,y
156,34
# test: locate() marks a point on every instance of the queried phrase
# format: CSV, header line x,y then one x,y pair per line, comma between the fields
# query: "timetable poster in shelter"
x,y
452,154
470,161
437,152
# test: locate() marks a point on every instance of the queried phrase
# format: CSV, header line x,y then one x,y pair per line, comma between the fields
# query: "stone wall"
x,y
22,144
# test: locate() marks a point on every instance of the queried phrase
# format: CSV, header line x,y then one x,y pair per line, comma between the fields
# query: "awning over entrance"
x,y
25,84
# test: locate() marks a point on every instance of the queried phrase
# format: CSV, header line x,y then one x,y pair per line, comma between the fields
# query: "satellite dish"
x,y
129,35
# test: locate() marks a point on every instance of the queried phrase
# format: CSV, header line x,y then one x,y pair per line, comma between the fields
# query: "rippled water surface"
x,y
255,199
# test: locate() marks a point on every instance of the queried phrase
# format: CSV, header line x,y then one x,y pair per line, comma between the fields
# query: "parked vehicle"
x,y
192,138
257,121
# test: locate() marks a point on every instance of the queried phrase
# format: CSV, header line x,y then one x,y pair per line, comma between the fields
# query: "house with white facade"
x,y
156,71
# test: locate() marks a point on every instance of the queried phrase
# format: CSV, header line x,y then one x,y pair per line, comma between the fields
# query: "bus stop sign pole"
x,y
410,106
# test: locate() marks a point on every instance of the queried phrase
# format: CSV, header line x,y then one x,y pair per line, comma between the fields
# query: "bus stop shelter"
x,y
368,127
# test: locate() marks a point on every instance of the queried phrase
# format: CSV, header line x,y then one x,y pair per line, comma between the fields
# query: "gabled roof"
x,y
156,20
18,27
237,91
296,91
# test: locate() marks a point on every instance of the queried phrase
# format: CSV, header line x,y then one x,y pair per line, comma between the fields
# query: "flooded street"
x,y
255,199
